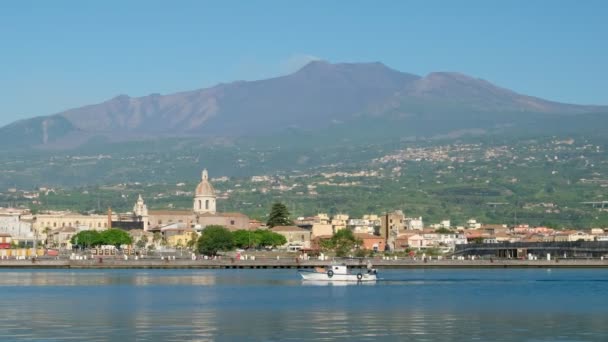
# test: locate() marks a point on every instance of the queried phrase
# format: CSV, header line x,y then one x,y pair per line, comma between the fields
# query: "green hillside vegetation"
x,y
540,180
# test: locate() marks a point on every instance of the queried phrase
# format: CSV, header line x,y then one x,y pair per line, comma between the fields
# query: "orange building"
x,y
372,242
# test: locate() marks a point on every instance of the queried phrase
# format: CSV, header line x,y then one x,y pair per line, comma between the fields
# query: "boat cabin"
x,y
338,269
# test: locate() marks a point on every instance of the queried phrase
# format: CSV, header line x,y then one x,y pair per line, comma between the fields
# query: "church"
x,y
203,213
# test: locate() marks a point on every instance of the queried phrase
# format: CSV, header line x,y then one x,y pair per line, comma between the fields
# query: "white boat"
x,y
340,273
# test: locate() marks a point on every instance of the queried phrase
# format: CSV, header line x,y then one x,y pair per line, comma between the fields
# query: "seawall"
x,y
292,263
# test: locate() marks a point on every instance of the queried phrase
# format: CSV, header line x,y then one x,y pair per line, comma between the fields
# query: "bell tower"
x,y
140,210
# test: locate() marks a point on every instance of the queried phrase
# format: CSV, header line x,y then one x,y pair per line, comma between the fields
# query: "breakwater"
x,y
295,264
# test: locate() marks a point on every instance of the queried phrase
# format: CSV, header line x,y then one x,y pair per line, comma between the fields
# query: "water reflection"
x,y
337,283
275,305
193,279
101,278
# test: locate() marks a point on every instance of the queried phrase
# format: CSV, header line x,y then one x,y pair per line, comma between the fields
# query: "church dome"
x,y
205,188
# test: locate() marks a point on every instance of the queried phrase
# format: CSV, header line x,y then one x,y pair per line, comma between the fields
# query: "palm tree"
x,y
46,232
156,237
192,242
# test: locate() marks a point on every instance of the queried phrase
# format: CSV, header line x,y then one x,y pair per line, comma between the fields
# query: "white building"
x,y
13,224
473,224
445,224
414,223
366,225
451,240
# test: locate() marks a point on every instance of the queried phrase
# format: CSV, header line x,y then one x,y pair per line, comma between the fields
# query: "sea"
x,y
275,305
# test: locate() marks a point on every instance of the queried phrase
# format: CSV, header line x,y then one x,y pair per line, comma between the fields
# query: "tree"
x,y
115,237
245,239
143,241
443,231
214,239
342,242
192,242
87,238
34,210
47,232
279,216
270,239
156,237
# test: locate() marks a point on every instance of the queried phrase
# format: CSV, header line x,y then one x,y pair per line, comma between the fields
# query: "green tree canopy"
x,y
279,216
214,239
443,231
257,238
115,237
245,238
342,242
270,239
86,238
92,238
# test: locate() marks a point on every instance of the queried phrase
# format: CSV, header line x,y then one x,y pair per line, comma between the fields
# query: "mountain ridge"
x,y
316,96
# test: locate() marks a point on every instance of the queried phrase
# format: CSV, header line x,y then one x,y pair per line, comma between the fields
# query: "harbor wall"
x,y
270,264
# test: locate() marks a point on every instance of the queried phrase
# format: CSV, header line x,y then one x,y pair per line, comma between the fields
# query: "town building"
x,y
473,224
322,225
368,224
371,242
391,225
178,235
60,237
53,220
297,238
414,223
14,225
204,212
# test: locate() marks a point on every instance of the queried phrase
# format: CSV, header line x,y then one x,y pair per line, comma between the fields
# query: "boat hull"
x,y
314,276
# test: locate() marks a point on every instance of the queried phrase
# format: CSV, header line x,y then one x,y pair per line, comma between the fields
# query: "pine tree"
x,y
279,216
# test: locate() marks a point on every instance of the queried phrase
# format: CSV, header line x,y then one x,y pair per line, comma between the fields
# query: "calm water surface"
x,y
274,305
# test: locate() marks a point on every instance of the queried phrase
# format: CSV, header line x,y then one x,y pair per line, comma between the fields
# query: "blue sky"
x,y
56,55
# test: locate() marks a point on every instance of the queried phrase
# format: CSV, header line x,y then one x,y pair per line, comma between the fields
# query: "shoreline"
x,y
292,264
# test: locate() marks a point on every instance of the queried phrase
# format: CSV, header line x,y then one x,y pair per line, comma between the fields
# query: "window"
x,y
232,222
206,204
98,225
200,204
